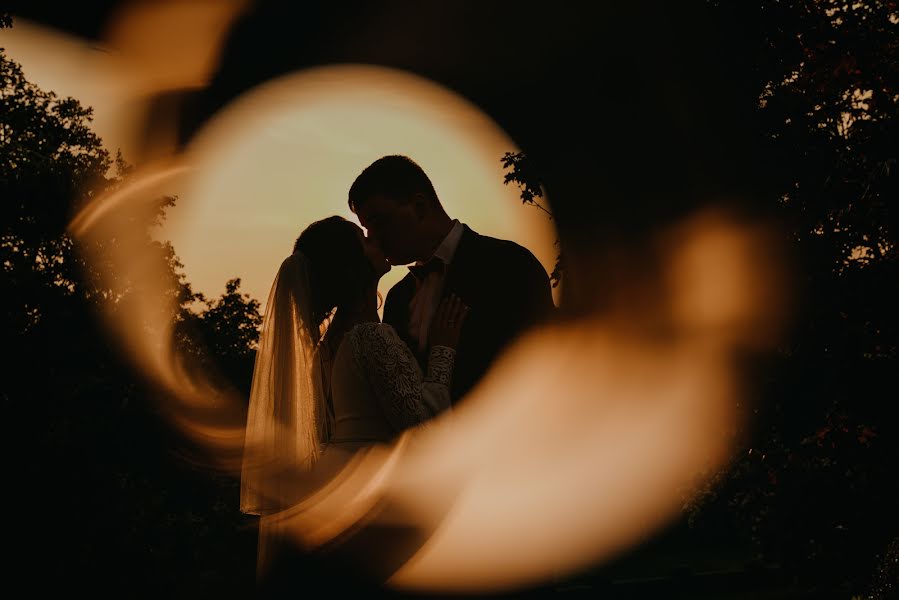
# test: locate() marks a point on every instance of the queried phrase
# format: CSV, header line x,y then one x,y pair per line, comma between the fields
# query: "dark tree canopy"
x,y
628,120
801,99
109,501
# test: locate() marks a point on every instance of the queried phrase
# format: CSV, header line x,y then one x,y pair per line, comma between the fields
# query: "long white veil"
x,y
287,419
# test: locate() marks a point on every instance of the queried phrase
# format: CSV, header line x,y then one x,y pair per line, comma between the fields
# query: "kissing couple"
x,y
330,377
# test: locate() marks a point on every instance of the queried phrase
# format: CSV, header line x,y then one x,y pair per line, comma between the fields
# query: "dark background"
x,y
631,115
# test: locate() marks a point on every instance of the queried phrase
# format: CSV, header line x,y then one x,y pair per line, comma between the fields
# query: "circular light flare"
x,y
286,153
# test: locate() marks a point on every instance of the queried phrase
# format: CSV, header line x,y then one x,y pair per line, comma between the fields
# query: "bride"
x,y
330,379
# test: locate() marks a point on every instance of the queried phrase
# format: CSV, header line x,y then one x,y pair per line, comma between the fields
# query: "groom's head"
x,y
398,207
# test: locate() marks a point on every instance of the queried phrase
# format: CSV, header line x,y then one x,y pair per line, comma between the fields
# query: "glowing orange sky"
x,y
285,154
635,419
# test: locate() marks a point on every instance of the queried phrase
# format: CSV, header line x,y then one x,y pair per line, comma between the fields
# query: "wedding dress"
x,y
378,389
295,426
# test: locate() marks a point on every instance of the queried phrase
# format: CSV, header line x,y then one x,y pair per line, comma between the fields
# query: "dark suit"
x,y
507,290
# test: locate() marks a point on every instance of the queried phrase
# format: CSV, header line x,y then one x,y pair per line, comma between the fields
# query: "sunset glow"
x,y
621,321
599,429
285,154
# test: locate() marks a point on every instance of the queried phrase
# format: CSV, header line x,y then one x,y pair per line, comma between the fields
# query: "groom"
x,y
503,284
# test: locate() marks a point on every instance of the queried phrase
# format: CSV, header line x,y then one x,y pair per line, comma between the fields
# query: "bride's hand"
x,y
447,323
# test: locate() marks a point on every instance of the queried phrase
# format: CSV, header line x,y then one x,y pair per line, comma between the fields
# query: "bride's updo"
x,y
339,270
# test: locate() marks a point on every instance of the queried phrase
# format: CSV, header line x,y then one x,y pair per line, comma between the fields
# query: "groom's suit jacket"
x,y
506,289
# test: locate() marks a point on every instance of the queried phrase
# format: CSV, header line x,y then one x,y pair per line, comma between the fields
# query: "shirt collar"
x,y
447,248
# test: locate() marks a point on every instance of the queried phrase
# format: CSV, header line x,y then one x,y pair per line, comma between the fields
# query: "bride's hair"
x,y
339,270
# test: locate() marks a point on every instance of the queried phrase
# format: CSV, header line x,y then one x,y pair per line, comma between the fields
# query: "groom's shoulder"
x,y
503,250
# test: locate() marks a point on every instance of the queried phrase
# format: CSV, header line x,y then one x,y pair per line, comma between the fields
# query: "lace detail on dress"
x,y
405,396
440,365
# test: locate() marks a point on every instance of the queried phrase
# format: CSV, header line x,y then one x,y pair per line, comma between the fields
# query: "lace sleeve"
x,y
407,397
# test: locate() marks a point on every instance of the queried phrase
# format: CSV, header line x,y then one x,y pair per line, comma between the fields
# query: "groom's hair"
x,y
394,176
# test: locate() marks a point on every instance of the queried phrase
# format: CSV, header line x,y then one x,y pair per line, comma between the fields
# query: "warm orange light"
x,y
285,154
583,438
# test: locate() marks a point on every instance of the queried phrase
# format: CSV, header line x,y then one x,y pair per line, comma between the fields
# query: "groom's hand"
x,y
447,324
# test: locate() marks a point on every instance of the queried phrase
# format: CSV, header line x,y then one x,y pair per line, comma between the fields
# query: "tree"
x,y
817,83
524,174
813,480
110,504
225,336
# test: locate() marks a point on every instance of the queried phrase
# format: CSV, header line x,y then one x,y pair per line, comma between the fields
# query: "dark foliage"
x,y
812,484
103,500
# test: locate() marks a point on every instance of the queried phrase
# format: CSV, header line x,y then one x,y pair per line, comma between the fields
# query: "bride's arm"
x,y
435,390
406,396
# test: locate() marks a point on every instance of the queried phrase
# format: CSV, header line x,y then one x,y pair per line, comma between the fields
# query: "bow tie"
x,y
435,265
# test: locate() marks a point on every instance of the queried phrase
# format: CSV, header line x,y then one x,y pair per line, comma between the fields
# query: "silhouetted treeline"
x,y
103,496
101,499
793,106
816,491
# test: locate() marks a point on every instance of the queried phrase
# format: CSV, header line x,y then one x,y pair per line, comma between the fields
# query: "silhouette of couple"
x,y
330,378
